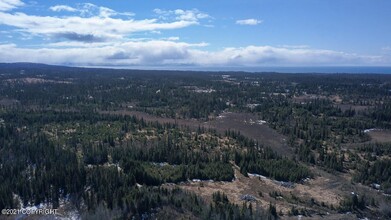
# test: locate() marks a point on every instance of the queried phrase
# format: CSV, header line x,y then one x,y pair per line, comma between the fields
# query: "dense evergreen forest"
x,y
125,144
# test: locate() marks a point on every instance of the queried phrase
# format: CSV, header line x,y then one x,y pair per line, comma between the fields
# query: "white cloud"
x,y
279,56
90,23
58,8
250,21
106,12
173,38
7,5
154,52
89,9
190,15
156,32
193,15
175,53
99,27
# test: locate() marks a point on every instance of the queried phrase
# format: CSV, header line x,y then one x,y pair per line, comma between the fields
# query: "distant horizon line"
x,y
258,69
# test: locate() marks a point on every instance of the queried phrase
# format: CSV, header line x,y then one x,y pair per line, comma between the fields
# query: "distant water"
x,y
355,69
307,69
380,70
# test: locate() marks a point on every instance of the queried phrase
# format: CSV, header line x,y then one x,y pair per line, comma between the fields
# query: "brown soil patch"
x,y
307,98
320,189
381,136
336,98
250,126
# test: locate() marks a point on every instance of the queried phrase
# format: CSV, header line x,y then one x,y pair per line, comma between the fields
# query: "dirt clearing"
x,y
248,125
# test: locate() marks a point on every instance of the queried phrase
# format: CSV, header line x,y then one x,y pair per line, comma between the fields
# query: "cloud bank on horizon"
x,y
87,34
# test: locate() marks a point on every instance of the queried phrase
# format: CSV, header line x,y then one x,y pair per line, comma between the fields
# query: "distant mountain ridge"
x,y
29,65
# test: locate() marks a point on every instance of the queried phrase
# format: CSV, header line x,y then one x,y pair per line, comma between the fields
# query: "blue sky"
x,y
178,33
